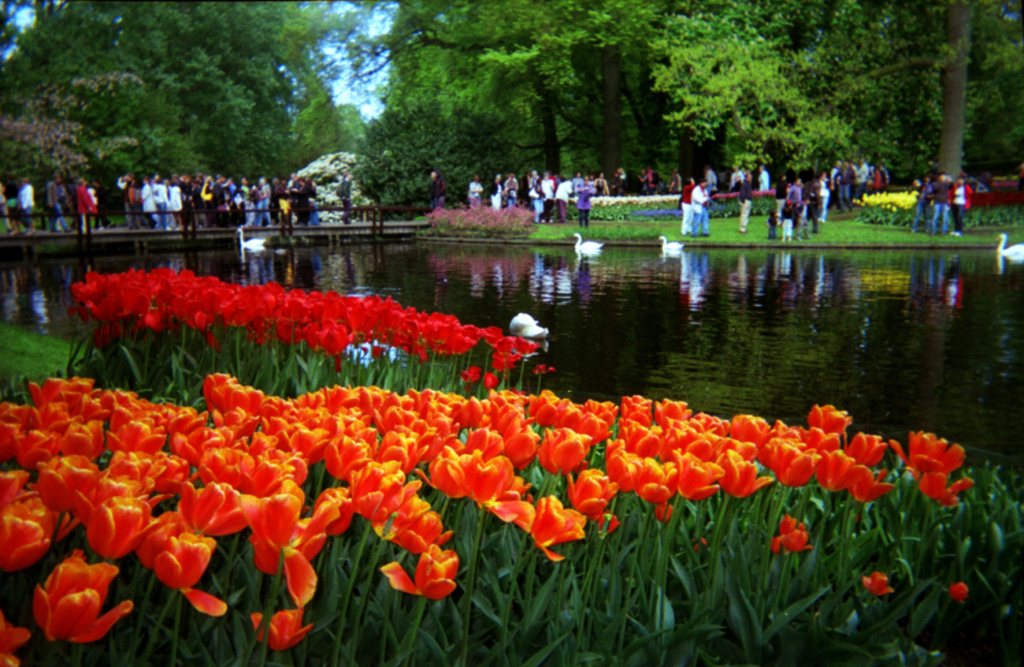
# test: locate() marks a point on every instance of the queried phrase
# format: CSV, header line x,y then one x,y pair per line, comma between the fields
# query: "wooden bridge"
x,y
366,223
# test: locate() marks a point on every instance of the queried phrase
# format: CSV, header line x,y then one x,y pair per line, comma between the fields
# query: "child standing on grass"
x,y
787,221
773,225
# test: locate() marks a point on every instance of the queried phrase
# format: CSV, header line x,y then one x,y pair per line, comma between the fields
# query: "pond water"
x,y
904,341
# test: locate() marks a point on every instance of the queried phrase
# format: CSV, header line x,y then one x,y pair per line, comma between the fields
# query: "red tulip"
x,y
182,565
117,526
829,419
11,639
286,629
930,454
435,574
933,485
877,584
740,478
553,524
792,537
563,450
26,528
68,605
591,493
958,591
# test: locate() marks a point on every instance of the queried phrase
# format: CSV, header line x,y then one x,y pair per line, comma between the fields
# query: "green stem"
x,y
155,635
177,630
348,595
357,621
264,626
410,638
471,585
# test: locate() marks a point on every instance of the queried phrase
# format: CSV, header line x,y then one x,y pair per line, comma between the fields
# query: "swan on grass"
x,y
670,248
252,245
524,326
1014,253
587,247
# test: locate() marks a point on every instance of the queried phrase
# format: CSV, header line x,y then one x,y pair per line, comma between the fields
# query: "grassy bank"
x,y
30,355
840,230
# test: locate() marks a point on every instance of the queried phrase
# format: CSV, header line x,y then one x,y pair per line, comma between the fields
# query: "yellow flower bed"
x,y
892,201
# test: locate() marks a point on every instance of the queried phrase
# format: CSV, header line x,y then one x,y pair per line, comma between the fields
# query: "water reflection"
x,y
923,340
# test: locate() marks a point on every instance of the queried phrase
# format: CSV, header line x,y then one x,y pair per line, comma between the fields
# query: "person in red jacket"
x,y
686,203
86,204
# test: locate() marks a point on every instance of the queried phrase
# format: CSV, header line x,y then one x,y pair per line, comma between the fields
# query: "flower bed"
x,y
988,209
163,332
725,205
641,530
481,222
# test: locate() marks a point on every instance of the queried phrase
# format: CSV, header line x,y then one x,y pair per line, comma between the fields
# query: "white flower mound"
x,y
326,173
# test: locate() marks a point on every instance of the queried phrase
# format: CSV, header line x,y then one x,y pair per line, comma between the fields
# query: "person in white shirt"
x,y
174,201
700,210
764,182
825,194
562,199
149,203
26,202
547,186
160,199
476,190
711,178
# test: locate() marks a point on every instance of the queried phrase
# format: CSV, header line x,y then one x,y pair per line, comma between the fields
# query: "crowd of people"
x,y
152,202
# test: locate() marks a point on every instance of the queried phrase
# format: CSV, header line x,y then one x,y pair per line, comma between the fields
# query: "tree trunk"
x,y
685,165
954,88
552,147
611,145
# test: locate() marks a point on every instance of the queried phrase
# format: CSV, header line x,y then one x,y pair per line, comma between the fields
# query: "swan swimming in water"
x,y
1014,253
525,326
587,247
670,248
252,245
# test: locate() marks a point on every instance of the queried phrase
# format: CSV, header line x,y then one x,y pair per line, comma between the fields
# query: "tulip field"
x,y
252,476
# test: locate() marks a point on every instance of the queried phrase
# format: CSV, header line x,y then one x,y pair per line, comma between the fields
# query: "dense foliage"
x,y
165,87
678,84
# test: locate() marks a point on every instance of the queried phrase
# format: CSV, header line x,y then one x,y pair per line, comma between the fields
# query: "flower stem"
x,y
471,586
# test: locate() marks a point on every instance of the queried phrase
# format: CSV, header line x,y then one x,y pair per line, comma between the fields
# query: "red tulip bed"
x,y
353,525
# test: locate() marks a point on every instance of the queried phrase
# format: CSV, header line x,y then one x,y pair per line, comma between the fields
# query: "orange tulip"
x,y
277,529
696,477
83,440
792,536
286,629
215,509
378,489
637,409
655,482
837,471
488,482
867,450
930,454
740,478
933,485
12,485
117,526
165,472
829,419
414,526
345,455
435,574
182,565
958,591
877,584
748,428
591,493
61,477
26,528
166,526
563,450
792,466
339,497
553,524
869,487
11,639
68,605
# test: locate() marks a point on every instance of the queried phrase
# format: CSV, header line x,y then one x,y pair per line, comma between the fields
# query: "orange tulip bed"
x,y
358,525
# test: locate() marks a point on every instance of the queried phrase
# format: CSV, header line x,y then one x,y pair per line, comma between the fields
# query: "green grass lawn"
x,y
32,355
840,230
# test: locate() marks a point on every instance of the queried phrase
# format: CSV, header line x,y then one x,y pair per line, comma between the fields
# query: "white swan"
x,y
1014,253
588,247
525,326
252,245
670,248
